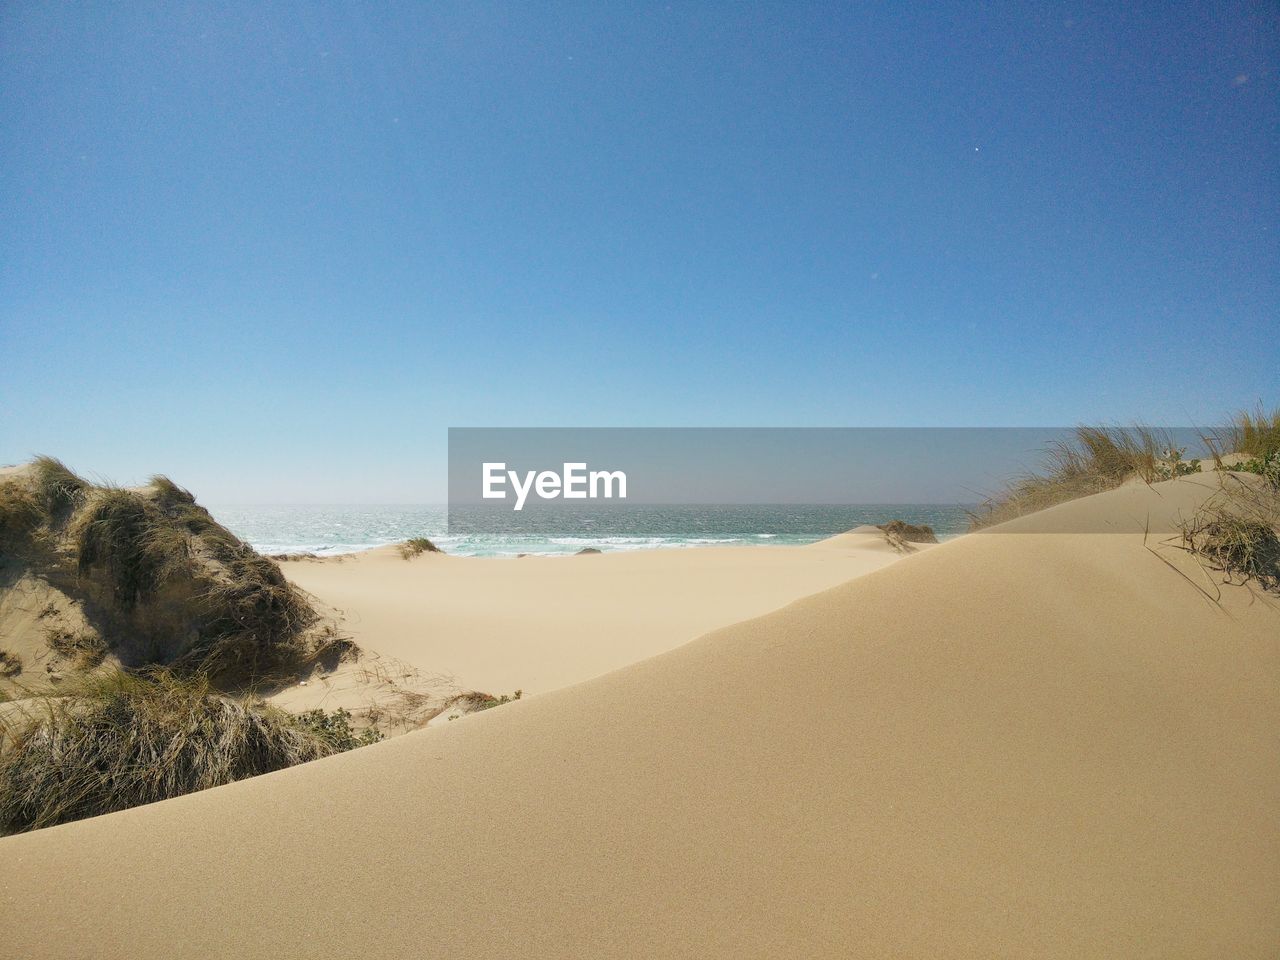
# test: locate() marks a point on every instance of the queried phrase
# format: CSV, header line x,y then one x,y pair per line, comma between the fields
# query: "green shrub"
x,y
335,729
1267,466
1172,465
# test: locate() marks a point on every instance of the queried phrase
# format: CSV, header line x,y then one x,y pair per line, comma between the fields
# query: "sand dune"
x,y
1035,745
540,623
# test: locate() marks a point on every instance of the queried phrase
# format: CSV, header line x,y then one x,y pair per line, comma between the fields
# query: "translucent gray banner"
x,y
729,483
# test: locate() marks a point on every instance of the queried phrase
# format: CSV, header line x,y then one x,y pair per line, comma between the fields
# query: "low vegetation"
x,y
475,701
1254,433
1237,532
168,585
1092,460
1267,467
417,546
336,729
20,514
83,648
1241,547
58,490
901,534
172,615
112,741
10,665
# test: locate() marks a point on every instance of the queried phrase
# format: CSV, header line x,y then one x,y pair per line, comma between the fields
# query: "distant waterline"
x,y
328,530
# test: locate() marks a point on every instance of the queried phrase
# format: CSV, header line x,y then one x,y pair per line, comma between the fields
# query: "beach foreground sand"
x,y
540,623
1019,744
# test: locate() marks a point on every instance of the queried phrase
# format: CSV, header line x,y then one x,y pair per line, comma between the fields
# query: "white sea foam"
x,y
331,530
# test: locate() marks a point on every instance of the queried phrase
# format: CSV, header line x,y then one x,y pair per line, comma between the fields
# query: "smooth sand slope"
x,y
540,623
1034,745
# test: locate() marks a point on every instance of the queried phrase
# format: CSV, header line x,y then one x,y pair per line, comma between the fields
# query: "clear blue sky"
x,y
274,250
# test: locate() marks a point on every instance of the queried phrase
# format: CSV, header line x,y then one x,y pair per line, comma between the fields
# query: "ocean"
x,y
347,528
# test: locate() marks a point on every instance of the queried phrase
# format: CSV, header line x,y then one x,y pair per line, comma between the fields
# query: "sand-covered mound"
x,y
144,576
1031,745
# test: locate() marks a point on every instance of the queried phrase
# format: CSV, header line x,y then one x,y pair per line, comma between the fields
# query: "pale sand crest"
x,y
540,623
1031,745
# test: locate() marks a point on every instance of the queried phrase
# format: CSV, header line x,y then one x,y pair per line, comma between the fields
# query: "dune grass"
x,y
10,665
169,492
163,573
1092,460
117,531
20,515
58,488
108,742
1241,547
1255,433
255,617
1237,532
191,612
474,701
901,534
84,649
417,546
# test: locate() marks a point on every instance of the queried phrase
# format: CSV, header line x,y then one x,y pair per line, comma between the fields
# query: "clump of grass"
x,y
416,546
901,534
10,665
116,531
1253,433
255,617
1239,546
168,584
474,701
169,492
84,648
1256,433
20,513
59,489
220,606
1092,460
1235,531
122,740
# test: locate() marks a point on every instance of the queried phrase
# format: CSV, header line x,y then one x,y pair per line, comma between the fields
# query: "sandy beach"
x,y
1045,744
540,623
